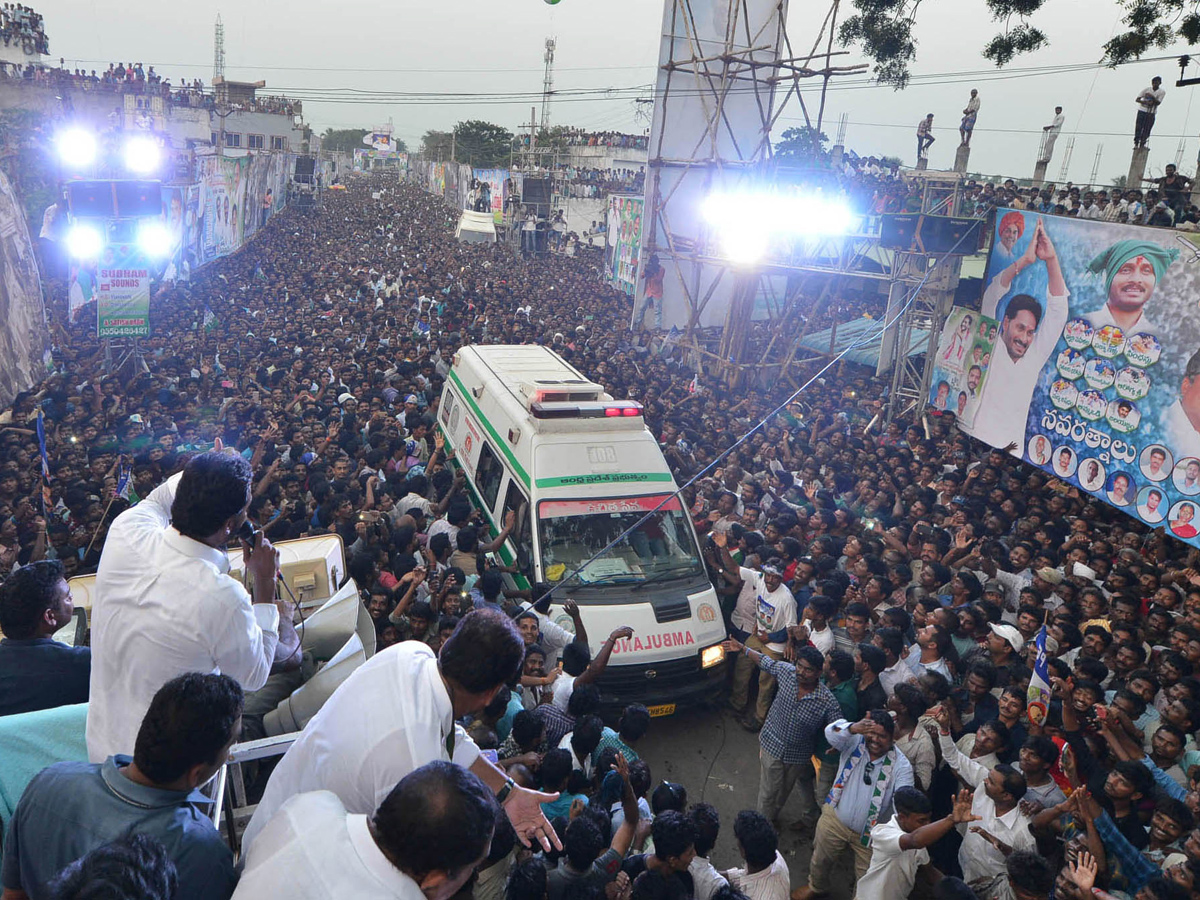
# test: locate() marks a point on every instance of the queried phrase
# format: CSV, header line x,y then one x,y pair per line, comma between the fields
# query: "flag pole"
x,y
99,525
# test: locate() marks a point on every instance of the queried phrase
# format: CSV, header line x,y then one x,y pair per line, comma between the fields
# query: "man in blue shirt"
x,y
36,671
70,808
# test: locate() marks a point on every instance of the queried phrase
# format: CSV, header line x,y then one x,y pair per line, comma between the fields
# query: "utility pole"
x,y
453,138
218,49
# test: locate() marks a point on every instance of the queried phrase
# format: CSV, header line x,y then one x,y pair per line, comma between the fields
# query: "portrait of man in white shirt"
x,y
1151,508
1029,331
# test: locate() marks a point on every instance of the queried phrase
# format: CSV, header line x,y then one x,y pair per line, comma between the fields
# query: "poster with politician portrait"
x,y
1097,352
961,365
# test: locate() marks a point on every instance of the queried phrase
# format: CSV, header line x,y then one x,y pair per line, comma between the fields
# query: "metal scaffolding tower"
x,y
218,49
547,83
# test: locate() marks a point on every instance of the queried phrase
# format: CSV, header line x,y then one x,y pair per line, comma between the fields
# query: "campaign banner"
x,y
1095,374
495,181
365,160
122,292
222,204
625,240
960,368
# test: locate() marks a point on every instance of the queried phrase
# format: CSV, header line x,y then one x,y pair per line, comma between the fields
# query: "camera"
x,y
249,533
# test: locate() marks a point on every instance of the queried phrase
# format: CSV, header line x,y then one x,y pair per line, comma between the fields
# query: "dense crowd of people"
x,y
24,27
134,78
883,592
587,183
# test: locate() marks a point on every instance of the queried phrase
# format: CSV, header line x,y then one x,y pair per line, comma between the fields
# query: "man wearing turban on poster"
x,y
1012,227
1028,332
1131,270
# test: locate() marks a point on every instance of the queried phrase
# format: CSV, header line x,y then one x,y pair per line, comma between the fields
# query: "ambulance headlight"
x,y
712,656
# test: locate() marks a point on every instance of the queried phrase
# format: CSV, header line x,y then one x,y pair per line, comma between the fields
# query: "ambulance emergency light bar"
x,y
619,409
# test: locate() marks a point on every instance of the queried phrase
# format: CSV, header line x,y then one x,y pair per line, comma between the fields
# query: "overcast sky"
x,y
473,47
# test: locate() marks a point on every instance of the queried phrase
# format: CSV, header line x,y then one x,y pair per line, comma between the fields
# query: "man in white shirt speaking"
x,y
422,843
165,603
396,713
1028,333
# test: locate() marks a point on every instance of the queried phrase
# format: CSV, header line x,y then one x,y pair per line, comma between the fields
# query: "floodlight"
x,y
76,147
142,155
745,222
85,241
154,239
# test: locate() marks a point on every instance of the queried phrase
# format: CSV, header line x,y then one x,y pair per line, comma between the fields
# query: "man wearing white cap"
x,y
1004,646
1045,581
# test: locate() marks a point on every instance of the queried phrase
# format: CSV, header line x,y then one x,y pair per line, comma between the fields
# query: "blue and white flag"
x,y
123,484
1038,693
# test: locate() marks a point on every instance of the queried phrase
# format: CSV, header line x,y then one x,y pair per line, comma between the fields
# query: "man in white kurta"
x,y
1027,339
165,604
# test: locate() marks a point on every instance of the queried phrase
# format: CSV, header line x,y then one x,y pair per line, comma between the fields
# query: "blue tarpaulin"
x,y
866,335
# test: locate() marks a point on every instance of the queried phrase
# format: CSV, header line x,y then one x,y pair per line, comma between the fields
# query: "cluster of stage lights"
x,y
141,155
78,149
86,241
747,222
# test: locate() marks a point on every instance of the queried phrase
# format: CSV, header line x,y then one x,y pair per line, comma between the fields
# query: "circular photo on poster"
x,y
1091,474
1143,349
1063,462
1121,488
1152,504
1182,519
1186,476
1156,462
1132,383
1109,341
1063,394
1123,415
1038,449
1078,333
1071,363
1099,374
1092,405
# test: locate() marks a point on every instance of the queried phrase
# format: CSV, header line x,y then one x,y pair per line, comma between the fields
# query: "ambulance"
x,y
579,470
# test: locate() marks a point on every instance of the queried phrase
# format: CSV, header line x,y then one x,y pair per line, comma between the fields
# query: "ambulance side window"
x,y
488,476
515,501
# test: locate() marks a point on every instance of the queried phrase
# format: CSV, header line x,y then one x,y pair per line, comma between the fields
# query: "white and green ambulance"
x,y
537,438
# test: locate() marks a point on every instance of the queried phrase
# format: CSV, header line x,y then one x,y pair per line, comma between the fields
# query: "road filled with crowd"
x,y
883,589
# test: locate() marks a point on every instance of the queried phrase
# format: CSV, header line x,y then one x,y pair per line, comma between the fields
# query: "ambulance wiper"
x,y
664,575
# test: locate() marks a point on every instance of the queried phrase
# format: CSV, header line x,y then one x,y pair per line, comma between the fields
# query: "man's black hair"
x,y
707,823
576,657
912,801
1030,872
526,881
639,777
873,658
585,699
1177,811
653,885
952,888
191,719
892,640
526,728
1024,303
133,867
755,833
669,795
214,488
811,655
438,818
1014,781
26,595
842,664
421,610
556,766
1136,774
673,833
1045,748
583,843
586,735
485,650
635,722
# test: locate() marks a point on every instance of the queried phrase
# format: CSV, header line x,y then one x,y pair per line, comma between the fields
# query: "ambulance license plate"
x,y
663,709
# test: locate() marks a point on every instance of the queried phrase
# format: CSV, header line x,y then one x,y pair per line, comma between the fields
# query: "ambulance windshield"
x,y
662,548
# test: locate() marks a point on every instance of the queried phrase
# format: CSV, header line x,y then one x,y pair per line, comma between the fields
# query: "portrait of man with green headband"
x,y
1131,270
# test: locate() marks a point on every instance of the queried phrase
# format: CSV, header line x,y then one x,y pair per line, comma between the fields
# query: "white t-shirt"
x,y
772,883
773,610
314,849
893,871
705,878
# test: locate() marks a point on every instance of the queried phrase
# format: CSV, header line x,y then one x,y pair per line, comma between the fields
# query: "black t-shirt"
x,y
871,697
635,865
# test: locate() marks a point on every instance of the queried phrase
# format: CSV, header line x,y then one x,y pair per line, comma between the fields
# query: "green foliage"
x,y
804,144
27,157
345,140
553,138
1120,182
436,144
483,144
884,31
